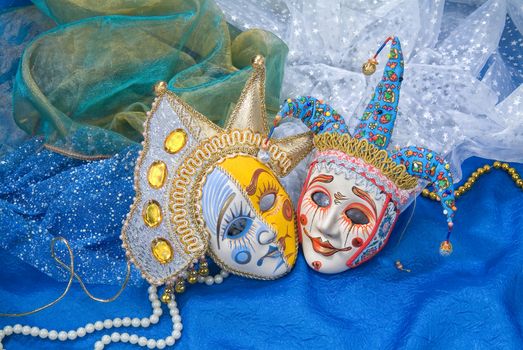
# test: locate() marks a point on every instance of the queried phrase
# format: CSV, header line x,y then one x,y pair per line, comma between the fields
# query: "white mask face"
x,y
339,216
249,218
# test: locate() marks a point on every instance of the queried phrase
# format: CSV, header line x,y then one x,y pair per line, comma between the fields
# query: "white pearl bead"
x,y
174,312
177,334
224,273
126,321
108,324
209,280
81,332
53,335
72,335
35,331
98,345
17,329
142,341
169,341
133,339
106,339
172,304
89,328
145,322
177,318
201,279
218,279
160,344
135,322
26,330
124,337
62,335
157,304
117,322
8,330
43,333
158,312
154,319
151,343
178,326
151,289
98,325
115,337
153,297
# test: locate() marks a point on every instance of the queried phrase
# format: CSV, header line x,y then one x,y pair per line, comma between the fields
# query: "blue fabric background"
x,y
470,300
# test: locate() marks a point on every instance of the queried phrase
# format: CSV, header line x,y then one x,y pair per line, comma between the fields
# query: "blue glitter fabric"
x,y
44,195
470,300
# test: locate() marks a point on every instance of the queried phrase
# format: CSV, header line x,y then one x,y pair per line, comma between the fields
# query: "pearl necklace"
x,y
116,337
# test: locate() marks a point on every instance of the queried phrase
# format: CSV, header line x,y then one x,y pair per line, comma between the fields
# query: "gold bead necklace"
x,y
475,175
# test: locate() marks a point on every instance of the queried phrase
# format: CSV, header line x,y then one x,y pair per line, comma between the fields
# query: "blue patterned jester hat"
x,y
371,137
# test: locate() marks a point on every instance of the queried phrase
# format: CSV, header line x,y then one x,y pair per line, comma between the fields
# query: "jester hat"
x,y
395,171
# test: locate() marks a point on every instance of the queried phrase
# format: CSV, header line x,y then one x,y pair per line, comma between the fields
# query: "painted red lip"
x,y
324,248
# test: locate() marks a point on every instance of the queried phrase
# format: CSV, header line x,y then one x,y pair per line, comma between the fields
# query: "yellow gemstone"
x,y
175,141
157,174
152,214
162,250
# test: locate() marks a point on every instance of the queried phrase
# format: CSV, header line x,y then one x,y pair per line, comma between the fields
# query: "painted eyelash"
x,y
267,187
233,213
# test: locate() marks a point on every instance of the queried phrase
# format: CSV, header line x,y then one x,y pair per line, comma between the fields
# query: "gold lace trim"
x,y
378,158
191,172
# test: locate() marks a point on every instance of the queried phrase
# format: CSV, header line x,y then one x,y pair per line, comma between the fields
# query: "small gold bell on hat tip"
x,y
369,67
166,297
160,88
179,287
258,61
445,249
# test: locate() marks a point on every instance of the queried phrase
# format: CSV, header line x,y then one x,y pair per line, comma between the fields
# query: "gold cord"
x,y
75,155
475,175
72,275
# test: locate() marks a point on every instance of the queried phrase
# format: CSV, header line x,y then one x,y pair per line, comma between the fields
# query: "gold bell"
x,y
180,286
167,295
204,269
193,277
445,248
369,67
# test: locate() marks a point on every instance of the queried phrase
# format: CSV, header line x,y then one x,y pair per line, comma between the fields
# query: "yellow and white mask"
x,y
203,190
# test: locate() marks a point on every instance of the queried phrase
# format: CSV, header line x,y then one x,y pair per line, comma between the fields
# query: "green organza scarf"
x,y
86,84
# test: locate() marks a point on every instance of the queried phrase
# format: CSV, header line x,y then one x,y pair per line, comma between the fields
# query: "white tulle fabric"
x,y
459,96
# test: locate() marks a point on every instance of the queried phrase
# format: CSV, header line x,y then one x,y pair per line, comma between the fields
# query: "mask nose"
x,y
328,225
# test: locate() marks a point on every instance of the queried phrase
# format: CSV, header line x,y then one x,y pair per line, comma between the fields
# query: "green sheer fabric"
x,y
86,84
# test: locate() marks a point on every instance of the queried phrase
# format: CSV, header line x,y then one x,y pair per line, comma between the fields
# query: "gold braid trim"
x,y
185,211
378,158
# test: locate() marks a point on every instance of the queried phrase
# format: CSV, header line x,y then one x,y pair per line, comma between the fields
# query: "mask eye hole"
x,y
357,216
321,199
267,201
238,227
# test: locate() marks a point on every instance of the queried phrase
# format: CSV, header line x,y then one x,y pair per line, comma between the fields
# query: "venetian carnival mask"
x,y
203,190
356,188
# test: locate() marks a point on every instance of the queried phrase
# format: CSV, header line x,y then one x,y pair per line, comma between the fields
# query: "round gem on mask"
x,y
152,214
157,174
162,250
175,141
242,257
264,156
